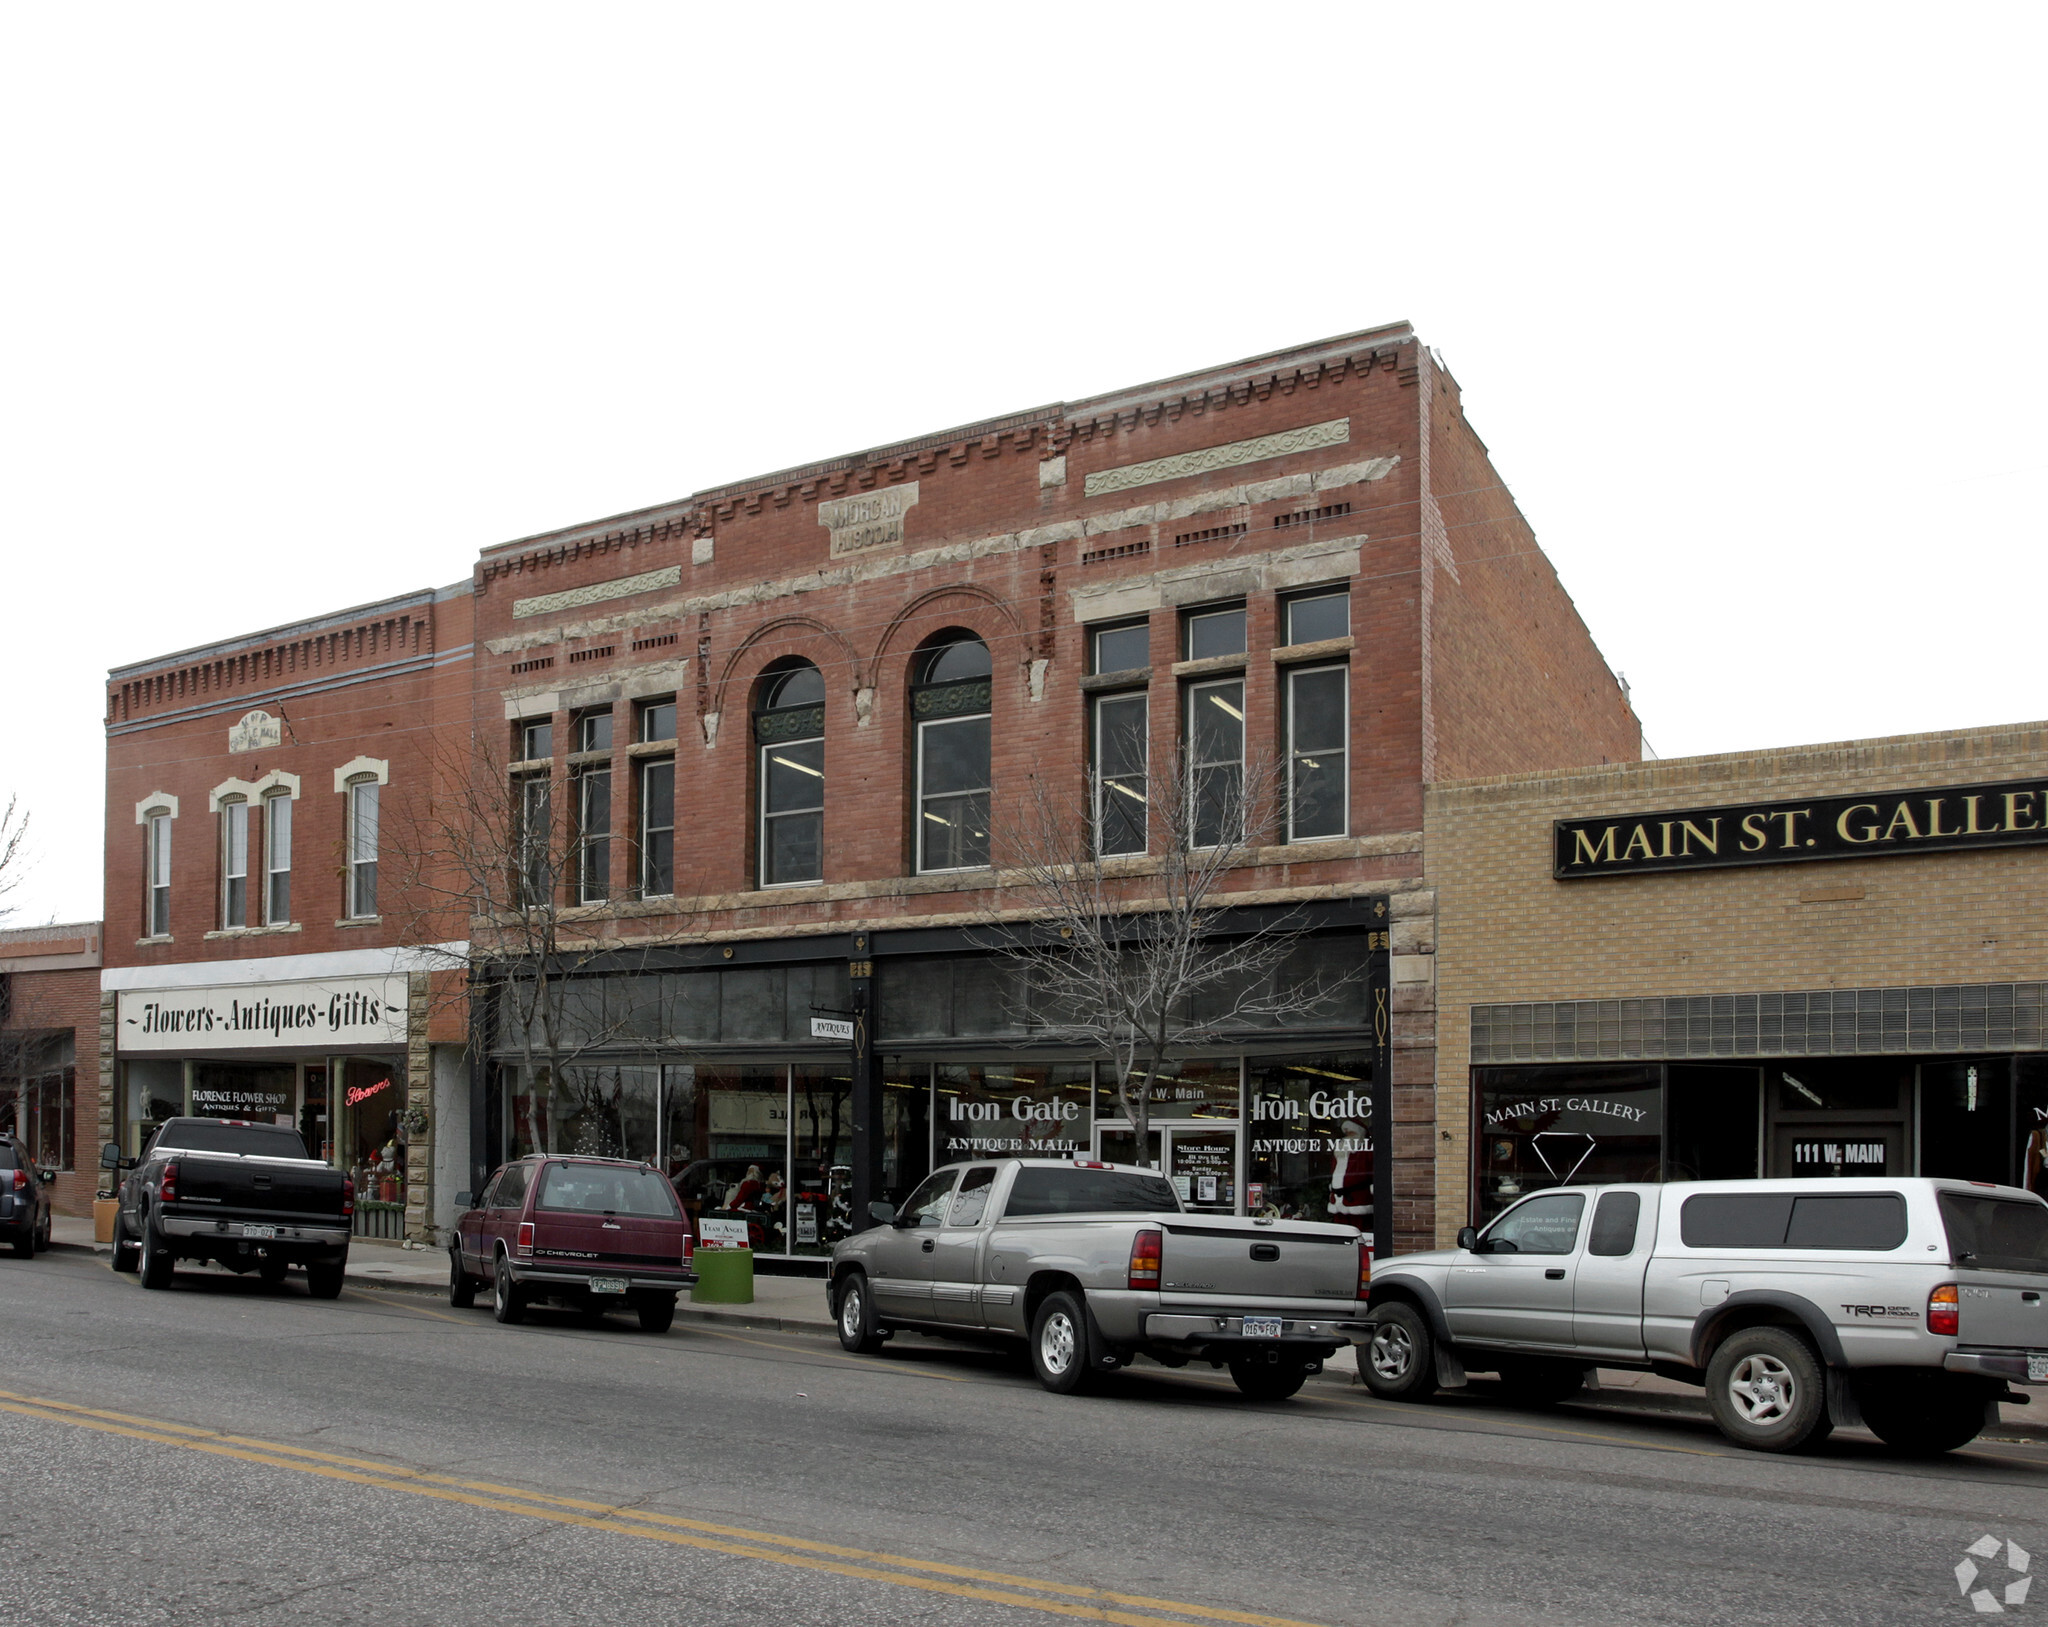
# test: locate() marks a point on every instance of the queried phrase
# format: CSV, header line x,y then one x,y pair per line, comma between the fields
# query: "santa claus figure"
x,y
1351,1175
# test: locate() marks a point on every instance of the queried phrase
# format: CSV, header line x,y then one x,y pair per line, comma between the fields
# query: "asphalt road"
x,y
219,1453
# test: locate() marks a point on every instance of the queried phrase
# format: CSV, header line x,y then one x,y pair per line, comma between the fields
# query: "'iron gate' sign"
x,y
1865,825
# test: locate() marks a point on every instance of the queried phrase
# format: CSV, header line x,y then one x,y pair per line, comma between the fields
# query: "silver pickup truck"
x,y
1904,1306
1092,1264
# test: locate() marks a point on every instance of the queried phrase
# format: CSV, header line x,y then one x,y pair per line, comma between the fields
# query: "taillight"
x,y
1364,1269
21,1180
525,1246
168,1189
689,1247
348,1194
1944,1314
1145,1259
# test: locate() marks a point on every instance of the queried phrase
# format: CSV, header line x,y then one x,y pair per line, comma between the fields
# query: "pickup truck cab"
x,y
1093,1264
591,1234
240,1193
1901,1305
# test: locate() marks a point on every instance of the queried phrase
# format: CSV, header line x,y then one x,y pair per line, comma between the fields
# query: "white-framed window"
x,y
789,745
277,858
1214,632
156,904
658,827
594,828
1120,648
1119,777
951,703
234,863
534,872
658,719
594,731
363,797
534,738
1318,735
1215,752
1313,617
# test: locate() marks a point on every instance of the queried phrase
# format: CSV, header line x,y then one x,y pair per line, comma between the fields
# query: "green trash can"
x,y
725,1276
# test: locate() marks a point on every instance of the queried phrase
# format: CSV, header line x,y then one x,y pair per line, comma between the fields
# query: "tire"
x,y
49,1231
856,1316
1398,1363
1061,1352
1922,1418
1535,1382
508,1304
1766,1390
1268,1380
127,1251
157,1266
461,1285
324,1281
657,1313
272,1271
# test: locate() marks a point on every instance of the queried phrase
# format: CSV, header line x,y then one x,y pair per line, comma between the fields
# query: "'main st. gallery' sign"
x,y
1868,825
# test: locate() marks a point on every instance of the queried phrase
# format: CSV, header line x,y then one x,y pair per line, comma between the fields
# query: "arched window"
x,y
789,740
949,702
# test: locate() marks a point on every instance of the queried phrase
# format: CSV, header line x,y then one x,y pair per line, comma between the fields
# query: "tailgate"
x,y
1240,1260
220,1184
570,1240
2003,1308
1999,1242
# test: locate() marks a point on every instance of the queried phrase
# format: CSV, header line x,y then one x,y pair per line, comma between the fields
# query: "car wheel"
x,y
1539,1383
1059,1343
126,1249
157,1265
508,1304
1398,1363
49,1231
324,1281
1922,1419
1766,1391
857,1316
461,1285
272,1270
1268,1380
657,1313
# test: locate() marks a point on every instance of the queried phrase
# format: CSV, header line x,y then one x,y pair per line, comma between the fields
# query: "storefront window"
x,y
2030,1122
238,1090
906,1127
1198,1088
37,1098
742,1171
373,1141
821,1190
606,1111
155,1092
1310,1152
1541,1127
1012,1110
1713,1123
1966,1119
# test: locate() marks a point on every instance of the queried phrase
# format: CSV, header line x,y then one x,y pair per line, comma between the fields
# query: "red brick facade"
x,y
52,995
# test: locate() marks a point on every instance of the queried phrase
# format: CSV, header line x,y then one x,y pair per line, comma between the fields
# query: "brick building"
x,y
781,716
259,963
1820,960
50,1049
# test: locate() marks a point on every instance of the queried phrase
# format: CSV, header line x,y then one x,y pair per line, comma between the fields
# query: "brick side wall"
x,y
59,1001
1508,931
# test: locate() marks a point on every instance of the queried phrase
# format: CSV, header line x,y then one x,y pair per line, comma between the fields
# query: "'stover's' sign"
x,y
1865,825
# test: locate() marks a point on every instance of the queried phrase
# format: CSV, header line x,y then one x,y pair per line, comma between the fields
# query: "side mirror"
x,y
882,1213
110,1155
1468,1239
462,1200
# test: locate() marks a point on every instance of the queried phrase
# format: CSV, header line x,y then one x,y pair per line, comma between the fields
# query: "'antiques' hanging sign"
x,y
1866,825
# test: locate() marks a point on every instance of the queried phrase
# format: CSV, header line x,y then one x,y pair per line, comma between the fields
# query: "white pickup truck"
x,y
1092,1264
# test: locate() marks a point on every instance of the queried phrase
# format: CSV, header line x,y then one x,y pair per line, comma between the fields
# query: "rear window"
x,y
605,1189
249,1140
1854,1220
1995,1234
6,1155
1089,1192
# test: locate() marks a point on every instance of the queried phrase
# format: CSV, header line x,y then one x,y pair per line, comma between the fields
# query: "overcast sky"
x,y
305,305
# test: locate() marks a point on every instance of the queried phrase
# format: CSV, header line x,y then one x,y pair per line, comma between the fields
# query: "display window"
x,y
821,1182
1542,1127
1012,1110
372,1141
1198,1088
1309,1138
740,1140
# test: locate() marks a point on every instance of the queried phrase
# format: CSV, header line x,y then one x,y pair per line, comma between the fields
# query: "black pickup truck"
x,y
243,1194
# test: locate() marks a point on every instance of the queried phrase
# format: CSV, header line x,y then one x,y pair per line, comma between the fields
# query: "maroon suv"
x,y
593,1234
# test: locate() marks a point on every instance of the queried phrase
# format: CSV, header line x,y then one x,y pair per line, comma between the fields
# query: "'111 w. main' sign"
x,y
1867,825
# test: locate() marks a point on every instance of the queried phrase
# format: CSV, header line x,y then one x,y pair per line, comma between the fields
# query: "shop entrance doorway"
x,y
1200,1159
1837,1117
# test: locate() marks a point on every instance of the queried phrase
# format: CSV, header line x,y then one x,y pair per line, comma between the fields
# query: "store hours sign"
x,y
338,1013
1864,825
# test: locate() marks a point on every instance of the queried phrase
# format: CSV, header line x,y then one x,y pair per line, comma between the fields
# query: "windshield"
x,y
1996,1234
607,1189
1089,1192
249,1140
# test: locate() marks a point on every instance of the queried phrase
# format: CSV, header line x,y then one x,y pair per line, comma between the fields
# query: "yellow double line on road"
x,y
959,1581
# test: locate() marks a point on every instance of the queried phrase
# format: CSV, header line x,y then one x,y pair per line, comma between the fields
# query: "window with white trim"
x,y
951,705
1119,777
277,858
658,827
363,798
789,735
234,862
533,864
156,906
594,828
1318,733
1313,617
1215,747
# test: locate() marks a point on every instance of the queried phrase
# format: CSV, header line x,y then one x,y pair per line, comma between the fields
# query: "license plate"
x,y
607,1285
1262,1327
2037,1369
259,1231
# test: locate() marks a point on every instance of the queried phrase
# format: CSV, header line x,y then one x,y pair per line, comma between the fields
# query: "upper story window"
x,y
594,731
364,795
234,863
1313,617
1119,778
1119,649
277,858
789,743
658,720
1215,632
1215,757
950,699
657,827
593,788
1318,733
532,860
535,739
156,903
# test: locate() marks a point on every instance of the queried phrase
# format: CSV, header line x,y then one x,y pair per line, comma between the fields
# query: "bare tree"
x,y
13,850
1130,955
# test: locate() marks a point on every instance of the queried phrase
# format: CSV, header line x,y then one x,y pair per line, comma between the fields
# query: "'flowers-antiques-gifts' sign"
x,y
333,1012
